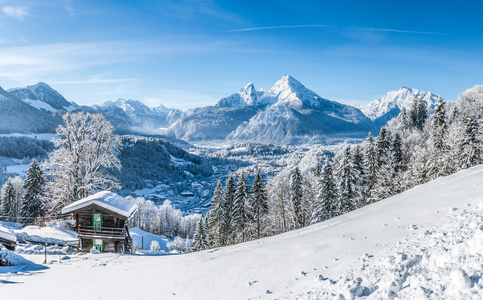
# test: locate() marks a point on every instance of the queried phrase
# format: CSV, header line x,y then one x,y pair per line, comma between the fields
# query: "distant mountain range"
x,y
288,113
388,106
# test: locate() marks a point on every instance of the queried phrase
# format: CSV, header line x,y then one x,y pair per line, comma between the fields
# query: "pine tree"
x,y
326,200
422,113
418,113
386,184
382,146
370,164
218,215
240,214
360,176
396,152
200,238
318,170
347,182
32,205
229,200
259,202
8,202
296,197
212,236
470,153
438,136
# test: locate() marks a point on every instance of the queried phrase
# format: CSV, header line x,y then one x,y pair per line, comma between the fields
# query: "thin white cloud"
x,y
277,27
95,80
65,49
404,31
15,12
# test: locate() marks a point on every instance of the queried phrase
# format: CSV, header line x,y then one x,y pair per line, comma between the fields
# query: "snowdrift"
x,y
424,242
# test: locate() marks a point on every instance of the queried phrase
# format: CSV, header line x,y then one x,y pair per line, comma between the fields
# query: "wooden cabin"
x,y
8,239
101,222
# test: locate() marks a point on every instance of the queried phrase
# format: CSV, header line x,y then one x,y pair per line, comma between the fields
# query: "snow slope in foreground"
x,y
424,242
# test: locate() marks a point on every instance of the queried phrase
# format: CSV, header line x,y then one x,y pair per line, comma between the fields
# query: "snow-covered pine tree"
x,y
318,170
382,146
370,164
418,113
347,182
200,241
211,229
8,202
413,112
32,205
240,214
438,136
396,152
326,200
386,184
360,175
259,202
17,189
470,153
218,216
422,113
296,196
229,200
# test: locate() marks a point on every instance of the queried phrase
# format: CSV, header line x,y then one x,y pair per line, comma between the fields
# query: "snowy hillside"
x,y
389,105
18,116
425,242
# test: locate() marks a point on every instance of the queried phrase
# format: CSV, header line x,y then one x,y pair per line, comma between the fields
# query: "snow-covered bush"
x,y
154,246
178,245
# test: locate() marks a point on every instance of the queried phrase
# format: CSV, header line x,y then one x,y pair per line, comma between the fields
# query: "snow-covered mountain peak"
x,y
129,106
245,96
395,100
289,91
43,97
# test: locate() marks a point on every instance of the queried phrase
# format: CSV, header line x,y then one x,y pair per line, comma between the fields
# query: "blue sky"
x,y
188,53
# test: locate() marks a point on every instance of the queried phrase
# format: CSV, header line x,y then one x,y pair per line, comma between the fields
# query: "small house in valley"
x,y
101,222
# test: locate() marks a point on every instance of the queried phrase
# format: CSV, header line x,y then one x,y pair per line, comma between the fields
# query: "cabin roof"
x,y
7,235
108,200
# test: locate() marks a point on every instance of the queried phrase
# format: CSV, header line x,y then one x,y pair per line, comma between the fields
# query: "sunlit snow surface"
x,y
426,242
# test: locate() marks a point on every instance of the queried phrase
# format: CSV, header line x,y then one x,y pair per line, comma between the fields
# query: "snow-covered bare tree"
x,y
278,189
85,151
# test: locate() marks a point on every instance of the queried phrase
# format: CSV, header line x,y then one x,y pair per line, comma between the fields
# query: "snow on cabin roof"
x,y
6,234
107,200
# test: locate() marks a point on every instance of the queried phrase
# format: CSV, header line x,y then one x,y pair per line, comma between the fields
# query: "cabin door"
x,y
97,224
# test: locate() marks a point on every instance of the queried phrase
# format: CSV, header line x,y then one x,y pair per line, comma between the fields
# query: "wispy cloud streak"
x,y
404,31
277,27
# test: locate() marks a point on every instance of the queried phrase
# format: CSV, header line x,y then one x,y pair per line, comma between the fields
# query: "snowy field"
x,y
424,243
